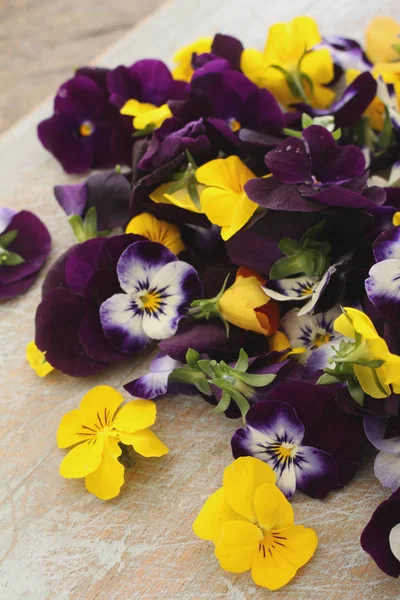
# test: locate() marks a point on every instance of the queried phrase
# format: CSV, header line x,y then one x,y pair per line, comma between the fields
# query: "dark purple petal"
x,y
271,193
55,276
154,383
109,254
32,243
289,161
387,244
58,319
276,419
375,429
72,198
342,197
109,192
81,264
10,290
228,47
199,335
123,324
316,472
96,74
80,97
375,537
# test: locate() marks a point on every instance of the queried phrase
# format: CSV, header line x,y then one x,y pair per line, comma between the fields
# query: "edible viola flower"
x,y
157,289
346,53
158,231
382,285
382,41
146,115
290,66
387,461
309,331
313,172
96,429
224,200
389,96
252,526
274,434
183,57
24,247
365,362
83,132
300,289
375,110
157,381
37,360
100,203
247,306
381,537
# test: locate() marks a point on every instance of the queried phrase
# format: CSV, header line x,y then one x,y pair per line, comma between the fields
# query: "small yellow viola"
x,y
224,200
146,115
252,526
180,198
156,230
183,58
289,67
95,430
37,360
382,40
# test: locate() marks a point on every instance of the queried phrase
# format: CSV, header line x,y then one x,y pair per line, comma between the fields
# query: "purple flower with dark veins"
x,y
275,434
157,288
384,434
381,537
85,131
313,173
24,246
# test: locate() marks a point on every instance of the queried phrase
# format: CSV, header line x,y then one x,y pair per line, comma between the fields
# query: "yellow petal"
x,y
355,320
281,554
380,37
241,480
179,198
219,205
318,65
135,415
237,545
367,381
37,360
254,66
83,459
183,57
244,209
287,42
272,508
144,442
99,405
214,513
156,230
145,114
225,173
72,429
107,480
396,219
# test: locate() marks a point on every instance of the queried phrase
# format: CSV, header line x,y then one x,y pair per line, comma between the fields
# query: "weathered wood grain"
x,y
58,542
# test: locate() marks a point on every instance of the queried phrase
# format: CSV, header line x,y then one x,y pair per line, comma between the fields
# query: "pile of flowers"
x,y
248,226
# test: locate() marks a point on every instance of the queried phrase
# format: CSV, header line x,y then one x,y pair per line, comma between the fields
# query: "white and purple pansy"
x,y
156,290
310,331
383,284
274,434
300,289
387,461
156,382
387,94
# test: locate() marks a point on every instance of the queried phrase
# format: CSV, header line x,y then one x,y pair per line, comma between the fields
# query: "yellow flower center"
x,y
321,338
86,128
271,542
234,125
151,301
307,291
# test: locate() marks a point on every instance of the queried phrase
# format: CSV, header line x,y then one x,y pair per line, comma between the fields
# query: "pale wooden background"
x,y
58,542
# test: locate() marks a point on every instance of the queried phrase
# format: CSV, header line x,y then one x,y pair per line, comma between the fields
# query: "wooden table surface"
x,y
58,542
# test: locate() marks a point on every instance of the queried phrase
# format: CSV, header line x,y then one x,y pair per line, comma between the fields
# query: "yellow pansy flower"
x,y
95,430
379,381
289,63
382,39
145,114
183,57
252,526
247,306
224,200
156,230
180,198
37,360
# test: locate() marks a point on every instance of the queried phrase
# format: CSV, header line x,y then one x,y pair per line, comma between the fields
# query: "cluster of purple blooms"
x,y
322,237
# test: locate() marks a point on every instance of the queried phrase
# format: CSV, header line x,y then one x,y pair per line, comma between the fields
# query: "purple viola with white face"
x,y
384,434
157,289
383,284
312,173
274,434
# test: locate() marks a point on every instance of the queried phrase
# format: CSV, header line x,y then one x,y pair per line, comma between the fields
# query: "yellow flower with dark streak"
x,y
156,230
252,526
95,430
289,67
183,57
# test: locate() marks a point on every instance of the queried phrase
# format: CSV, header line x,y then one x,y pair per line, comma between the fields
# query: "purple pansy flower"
x,y
387,462
85,130
109,192
314,172
381,537
149,81
275,434
382,286
25,244
157,288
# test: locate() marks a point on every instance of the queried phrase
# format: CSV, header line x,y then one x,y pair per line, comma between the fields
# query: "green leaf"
x,y
190,159
337,134
292,132
77,227
256,380
327,379
7,238
205,366
192,356
385,138
306,120
90,223
356,391
242,362
10,259
372,364
288,246
308,80
145,131
223,403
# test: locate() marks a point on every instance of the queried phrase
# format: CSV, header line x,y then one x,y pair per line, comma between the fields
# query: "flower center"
x,y
272,541
86,128
151,301
321,338
234,125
